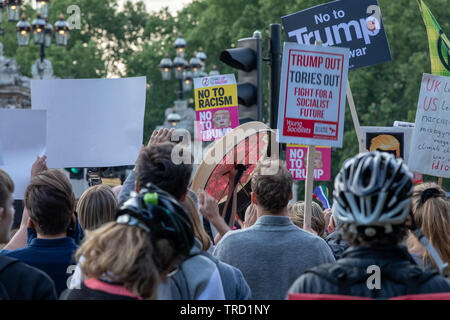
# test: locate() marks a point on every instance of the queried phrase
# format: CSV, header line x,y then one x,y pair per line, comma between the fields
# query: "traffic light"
x,y
247,58
76,173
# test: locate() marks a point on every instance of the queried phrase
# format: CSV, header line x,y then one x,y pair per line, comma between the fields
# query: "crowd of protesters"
x,y
146,240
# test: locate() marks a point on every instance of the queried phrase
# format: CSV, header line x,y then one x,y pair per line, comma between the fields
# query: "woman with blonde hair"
x,y
297,216
430,209
127,258
96,206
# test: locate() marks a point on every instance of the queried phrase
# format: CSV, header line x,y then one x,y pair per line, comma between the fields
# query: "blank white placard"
x,y
92,122
22,136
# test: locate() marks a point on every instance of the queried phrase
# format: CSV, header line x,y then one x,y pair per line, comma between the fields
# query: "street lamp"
x,y
187,82
48,34
166,66
13,9
38,27
62,31
173,118
195,65
43,8
214,71
23,29
180,46
202,57
1,11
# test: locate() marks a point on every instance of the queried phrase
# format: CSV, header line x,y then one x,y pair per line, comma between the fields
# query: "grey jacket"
x,y
272,254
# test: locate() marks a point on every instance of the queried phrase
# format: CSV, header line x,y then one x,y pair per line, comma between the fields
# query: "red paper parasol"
x,y
241,148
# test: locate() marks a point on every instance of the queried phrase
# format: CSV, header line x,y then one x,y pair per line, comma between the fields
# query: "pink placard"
x,y
296,156
213,124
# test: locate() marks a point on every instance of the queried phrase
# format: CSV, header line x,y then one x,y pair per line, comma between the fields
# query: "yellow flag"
x,y
438,41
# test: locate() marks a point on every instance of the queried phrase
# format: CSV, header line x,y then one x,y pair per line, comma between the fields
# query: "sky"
x,y
155,5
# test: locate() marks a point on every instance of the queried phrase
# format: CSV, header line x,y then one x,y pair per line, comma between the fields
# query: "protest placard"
x,y
296,162
312,95
92,122
22,136
216,106
431,138
394,140
353,24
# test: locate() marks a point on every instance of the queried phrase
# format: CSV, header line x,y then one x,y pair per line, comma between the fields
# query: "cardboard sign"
x,y
23,138
312,95
394,140
216,106
296,156
353,24
431,139
92,122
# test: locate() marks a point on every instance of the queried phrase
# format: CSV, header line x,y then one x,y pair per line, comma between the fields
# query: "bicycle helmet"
x,y
158,213
373,189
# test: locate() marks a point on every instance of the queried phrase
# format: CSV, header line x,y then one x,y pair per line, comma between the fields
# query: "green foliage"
x,y
132,42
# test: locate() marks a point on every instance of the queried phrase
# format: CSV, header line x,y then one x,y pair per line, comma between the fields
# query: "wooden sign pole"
x,y
351,103
309,187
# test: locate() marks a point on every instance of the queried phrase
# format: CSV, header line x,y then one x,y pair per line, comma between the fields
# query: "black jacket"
x,y
19,281
399,275
336,244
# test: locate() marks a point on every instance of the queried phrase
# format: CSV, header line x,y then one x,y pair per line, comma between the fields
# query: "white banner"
x,y
22,136
92,122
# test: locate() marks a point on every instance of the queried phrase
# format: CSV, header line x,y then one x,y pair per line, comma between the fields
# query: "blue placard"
x,y
353,24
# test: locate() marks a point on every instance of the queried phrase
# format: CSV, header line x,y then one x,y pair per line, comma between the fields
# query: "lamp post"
x,y
180,116
183,71
42,32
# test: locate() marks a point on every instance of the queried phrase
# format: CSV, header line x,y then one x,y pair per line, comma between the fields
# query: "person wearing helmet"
x,y
372,202
126,259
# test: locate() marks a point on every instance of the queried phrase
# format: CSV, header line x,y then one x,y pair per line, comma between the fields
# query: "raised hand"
x,y
38,166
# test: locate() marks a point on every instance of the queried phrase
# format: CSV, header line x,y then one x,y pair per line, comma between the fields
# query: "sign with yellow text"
x,y
216,106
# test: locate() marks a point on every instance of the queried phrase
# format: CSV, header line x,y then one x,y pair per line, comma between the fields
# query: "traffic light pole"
x,y
275,71
257,35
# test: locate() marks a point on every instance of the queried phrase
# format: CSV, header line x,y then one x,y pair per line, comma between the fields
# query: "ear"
x,y
31,224
183,196
253,196
74,220
2,213
136,187
291,196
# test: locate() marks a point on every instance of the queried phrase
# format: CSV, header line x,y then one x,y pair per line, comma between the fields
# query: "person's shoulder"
x,y
309,238
435,283
235,236
16,253
26,280
312,280
16,267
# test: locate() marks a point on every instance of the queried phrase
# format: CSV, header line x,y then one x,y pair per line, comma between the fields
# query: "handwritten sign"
x,y
431,138
312,95
296,156
216,106
353,24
